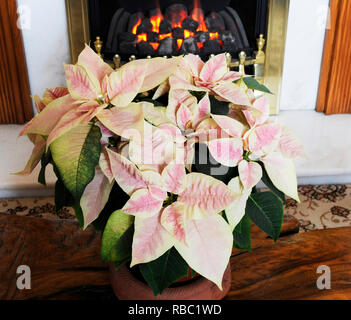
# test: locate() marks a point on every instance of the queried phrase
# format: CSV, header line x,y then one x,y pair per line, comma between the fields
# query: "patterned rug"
x,y
321,207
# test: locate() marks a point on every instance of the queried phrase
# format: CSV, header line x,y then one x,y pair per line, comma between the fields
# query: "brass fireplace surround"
x,y
78,29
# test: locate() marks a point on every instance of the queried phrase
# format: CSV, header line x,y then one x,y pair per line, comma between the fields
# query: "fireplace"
x,y
132,29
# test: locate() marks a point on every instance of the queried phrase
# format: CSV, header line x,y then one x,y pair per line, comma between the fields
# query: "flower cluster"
x,y
141,127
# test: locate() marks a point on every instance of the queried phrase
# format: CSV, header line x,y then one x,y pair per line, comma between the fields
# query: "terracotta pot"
x,y
127,287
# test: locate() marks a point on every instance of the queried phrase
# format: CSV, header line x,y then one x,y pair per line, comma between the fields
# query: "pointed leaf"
x,y
253,84
210,243
266,211
173,221
117,225
227,151
255,118
264,138
76,154
282,173
80,86
95,197
105,165
95,67
290,145
205,196
151,240
125,83
174,178
214,69
164,271
158,71
268,182
124,122
37,153
144,204
127,175
231,126
44,122
250,174
236,210
230,92
242,234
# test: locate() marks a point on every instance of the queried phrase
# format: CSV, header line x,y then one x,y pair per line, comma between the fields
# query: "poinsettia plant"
x,y
163,156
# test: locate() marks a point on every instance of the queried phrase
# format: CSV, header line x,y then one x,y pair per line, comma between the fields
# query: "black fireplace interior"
x,y
172,27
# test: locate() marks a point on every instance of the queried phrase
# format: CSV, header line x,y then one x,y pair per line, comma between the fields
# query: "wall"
x,y
304,48
46,43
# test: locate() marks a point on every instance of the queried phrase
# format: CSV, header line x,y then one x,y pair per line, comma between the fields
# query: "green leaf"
x,y
242,234
79,214
76,154
268,182
121,252
118,198
253,84
198,94
164,271
45,161
63,197
266,211
219,107
113,243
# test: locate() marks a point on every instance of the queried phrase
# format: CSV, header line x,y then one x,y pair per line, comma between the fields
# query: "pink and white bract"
x,y
152,158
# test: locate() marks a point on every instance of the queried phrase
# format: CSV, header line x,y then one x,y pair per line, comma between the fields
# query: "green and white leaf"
x,y
112,246
76,154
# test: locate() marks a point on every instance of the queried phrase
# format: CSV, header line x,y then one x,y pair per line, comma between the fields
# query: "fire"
x,y
163,36
155,45
179,43
142,37
135,28
197,15
156,20
214,35
188,34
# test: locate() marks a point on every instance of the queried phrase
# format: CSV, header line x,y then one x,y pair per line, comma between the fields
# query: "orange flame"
x,y
179,43
135,28
198,15
155,45
156,19
214,35
142,37
163,36
188,34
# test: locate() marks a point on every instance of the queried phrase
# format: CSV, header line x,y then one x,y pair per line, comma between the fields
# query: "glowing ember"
x,y
198,16
188,34
214,35
157,17
135,28
179,43
142,37
163,36
155,45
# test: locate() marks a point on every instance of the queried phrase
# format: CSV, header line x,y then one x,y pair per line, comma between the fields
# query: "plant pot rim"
x,y
127,287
